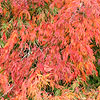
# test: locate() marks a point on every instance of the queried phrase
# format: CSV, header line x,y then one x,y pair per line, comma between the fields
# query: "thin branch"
x,y
7,91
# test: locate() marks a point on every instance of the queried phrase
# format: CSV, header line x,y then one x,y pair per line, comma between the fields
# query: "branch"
x,y
7,91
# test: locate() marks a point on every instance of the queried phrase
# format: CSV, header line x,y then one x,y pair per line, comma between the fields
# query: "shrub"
x,y
44,42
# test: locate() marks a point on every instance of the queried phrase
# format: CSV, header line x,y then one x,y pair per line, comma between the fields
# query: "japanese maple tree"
x,y
44,42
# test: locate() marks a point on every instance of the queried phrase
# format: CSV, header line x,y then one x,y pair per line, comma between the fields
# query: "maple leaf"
x,y
27,14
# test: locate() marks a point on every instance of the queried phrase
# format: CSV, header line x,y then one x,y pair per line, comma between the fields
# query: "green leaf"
x,y
55,11
2,43
58,92
4,26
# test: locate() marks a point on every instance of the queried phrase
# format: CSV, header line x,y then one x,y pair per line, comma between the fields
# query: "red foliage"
x,y
60,46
